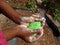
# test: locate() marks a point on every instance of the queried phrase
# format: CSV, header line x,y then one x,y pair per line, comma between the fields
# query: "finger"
x,y
36,32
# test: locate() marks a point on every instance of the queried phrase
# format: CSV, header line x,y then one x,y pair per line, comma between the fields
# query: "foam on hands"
x,y
33,23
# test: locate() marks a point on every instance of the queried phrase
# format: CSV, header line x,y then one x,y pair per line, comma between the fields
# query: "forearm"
x,y
10,33
9,11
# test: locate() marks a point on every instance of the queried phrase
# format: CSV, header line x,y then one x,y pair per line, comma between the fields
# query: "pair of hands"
x,y
16,17
25,32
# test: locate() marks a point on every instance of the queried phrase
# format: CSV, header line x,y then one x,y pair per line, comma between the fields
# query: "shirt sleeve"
x,y
2,39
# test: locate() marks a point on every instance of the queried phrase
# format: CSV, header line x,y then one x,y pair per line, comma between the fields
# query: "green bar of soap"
x,y
34,35
35,25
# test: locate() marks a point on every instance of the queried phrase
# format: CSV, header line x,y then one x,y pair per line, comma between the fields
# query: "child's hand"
x,y
25,33
9,12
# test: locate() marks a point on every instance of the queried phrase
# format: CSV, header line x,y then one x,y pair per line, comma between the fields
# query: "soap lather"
x,y
34,26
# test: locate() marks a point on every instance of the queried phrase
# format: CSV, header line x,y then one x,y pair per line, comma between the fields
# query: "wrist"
x,y
10,33
18,31
15,31
1,1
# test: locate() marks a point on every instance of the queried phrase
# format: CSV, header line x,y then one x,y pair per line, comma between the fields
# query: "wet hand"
x,y
25,33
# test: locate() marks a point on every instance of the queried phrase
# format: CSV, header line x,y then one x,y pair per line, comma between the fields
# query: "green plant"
x,y
30,5
57,15
10,3
50,6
